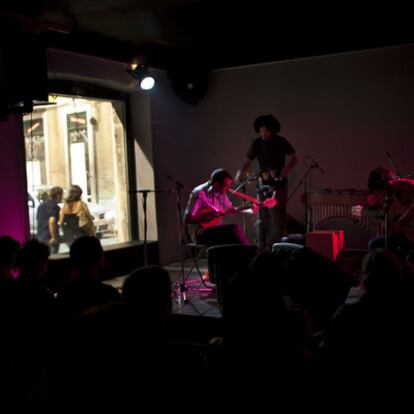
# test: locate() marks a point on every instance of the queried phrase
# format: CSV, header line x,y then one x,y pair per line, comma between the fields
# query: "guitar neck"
x,y
246,197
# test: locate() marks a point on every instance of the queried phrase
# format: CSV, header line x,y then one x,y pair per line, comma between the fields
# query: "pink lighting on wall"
x,y
14,216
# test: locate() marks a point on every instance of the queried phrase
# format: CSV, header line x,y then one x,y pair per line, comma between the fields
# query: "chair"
x,y
194,252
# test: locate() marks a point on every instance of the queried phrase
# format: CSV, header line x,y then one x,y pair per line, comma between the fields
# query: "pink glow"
x,y
14,220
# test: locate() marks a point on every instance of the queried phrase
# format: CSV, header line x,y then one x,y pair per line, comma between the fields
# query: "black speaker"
x,y
224,261
23,71
190,85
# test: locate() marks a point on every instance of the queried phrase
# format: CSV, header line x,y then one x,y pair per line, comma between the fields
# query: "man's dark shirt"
x,y
270,153
46,210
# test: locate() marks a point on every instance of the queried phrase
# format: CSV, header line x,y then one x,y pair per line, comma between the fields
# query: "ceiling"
x,y
208,33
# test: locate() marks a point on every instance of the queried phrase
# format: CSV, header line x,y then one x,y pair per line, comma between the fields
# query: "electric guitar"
x,y
212,216
269,202
269,181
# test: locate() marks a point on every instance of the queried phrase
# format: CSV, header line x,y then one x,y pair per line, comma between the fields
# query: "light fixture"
x,y
142,75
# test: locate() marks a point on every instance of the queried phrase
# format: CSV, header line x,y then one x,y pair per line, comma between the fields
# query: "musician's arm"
x,y
246,165
244,210
193,206
199,209
62,213
200,217
291,163
52,224
251,210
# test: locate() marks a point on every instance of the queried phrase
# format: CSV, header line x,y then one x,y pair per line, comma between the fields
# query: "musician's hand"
x,y
208,214
255,208
53,241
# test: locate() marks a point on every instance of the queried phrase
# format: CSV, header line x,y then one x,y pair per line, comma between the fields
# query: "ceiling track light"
x,y
142,75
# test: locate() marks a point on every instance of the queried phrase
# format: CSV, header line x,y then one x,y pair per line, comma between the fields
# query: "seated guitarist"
x,y
206,208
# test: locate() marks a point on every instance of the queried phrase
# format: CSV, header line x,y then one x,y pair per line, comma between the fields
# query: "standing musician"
x,y
206,208
276,158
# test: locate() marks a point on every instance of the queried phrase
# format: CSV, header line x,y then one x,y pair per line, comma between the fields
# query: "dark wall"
x,y
345,111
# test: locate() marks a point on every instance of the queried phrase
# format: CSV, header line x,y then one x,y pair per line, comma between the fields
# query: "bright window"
x,y
80,141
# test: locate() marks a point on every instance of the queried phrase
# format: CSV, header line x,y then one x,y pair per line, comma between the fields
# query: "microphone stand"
x,y
390,160
307,187
307,184
144,208
401,176
243,183
242,186
387,205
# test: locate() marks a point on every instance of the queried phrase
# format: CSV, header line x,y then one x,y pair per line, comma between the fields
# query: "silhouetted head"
x,y
149,289
266,126
221,180
383,272
380,179
87,255
56,194
45,196
32,259
75,194
270,269
8,252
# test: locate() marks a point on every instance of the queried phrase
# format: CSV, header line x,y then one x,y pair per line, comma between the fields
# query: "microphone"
x,y
315,164
178,183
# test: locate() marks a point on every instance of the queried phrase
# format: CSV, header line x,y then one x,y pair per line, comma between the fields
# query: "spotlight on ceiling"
x,y
142,75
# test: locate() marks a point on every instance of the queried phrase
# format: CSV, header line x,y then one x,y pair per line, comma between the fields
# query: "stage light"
x,y
142,75
147,83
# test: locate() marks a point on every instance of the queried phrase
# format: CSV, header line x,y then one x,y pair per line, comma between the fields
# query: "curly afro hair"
x,y
268,121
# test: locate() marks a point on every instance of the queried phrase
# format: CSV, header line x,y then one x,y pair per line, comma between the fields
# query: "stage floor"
x,y
204,303
200,302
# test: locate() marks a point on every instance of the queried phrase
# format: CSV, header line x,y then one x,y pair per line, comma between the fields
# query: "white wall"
x,y
344,110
